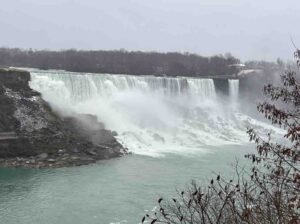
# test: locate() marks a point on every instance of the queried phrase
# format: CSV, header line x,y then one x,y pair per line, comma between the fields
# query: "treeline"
x,y
120,62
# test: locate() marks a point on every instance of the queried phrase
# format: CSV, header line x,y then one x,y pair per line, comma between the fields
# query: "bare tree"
x,y
120,62
268,192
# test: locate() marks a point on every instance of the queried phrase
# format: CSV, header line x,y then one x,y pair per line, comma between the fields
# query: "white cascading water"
x,y
152,115
234,92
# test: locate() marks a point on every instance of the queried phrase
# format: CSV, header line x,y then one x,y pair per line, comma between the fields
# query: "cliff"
x,y
32,135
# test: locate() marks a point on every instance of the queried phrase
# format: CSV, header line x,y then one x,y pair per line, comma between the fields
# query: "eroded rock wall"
x,y
30,129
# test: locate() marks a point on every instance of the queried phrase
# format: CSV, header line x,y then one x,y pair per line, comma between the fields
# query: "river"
x,y
178,129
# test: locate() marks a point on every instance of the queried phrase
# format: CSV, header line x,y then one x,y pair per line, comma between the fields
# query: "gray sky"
x,y
249,29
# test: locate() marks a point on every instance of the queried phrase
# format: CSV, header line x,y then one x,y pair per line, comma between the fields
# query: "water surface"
x,y
113,191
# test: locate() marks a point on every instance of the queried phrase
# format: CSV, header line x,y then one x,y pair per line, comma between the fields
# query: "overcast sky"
x,y
249,29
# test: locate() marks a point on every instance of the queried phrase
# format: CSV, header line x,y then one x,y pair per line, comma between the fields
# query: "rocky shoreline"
x,y
65,157
58,160
32,135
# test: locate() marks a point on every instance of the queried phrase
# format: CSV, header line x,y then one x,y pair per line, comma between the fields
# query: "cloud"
x,y
248,29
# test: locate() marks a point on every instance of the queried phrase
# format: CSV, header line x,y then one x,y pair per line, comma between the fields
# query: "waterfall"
x,y
84,86
152,115
234,92
202,87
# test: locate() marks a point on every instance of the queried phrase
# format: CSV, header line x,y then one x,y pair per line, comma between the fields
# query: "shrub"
x,y
269,192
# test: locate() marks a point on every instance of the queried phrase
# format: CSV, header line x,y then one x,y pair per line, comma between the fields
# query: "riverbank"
x,y
32,135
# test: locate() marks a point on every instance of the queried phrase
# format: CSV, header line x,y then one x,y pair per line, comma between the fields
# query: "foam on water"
x,y
152,115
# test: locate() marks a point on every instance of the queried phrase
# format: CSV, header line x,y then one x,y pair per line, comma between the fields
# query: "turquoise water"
x,y
177,128
113,191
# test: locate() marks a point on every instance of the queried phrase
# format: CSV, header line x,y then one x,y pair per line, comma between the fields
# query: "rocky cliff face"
x,y
32,135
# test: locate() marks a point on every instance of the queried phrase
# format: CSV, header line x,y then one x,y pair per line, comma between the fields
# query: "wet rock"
x,y
88,159
20,159
91,152
114,133
75,157
51,160
32,161
75,150
64,158
42,156
61,151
